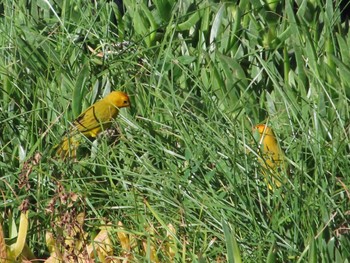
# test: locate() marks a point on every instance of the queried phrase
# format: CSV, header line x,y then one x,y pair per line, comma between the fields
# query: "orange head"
x,y
268,141
263,130
119,99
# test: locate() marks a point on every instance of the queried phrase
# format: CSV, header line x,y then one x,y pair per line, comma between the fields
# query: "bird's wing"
x,y
94,118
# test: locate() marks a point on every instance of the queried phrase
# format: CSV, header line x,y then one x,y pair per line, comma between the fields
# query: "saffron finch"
x,y
271,155
92,121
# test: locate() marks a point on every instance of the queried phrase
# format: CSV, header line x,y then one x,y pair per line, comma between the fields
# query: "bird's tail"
x,y
67,148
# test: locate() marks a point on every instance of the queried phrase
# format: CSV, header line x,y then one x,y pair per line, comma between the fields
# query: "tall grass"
x,y
200,74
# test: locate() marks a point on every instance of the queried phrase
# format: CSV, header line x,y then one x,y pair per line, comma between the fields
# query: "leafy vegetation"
x,y
200,75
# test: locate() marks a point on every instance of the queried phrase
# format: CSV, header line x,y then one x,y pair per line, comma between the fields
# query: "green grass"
x,y
199,75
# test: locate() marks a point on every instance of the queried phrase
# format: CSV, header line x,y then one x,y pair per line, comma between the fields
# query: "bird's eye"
x,y
125,102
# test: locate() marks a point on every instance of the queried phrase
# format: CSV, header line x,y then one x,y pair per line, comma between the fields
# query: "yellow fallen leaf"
x,y
102,245
3,254
17,248
171,248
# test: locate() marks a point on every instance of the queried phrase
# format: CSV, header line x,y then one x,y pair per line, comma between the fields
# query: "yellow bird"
x,y
92,121
271,155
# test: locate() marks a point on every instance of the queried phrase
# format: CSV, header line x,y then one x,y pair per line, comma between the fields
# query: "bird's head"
x,y
119,99
263,130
